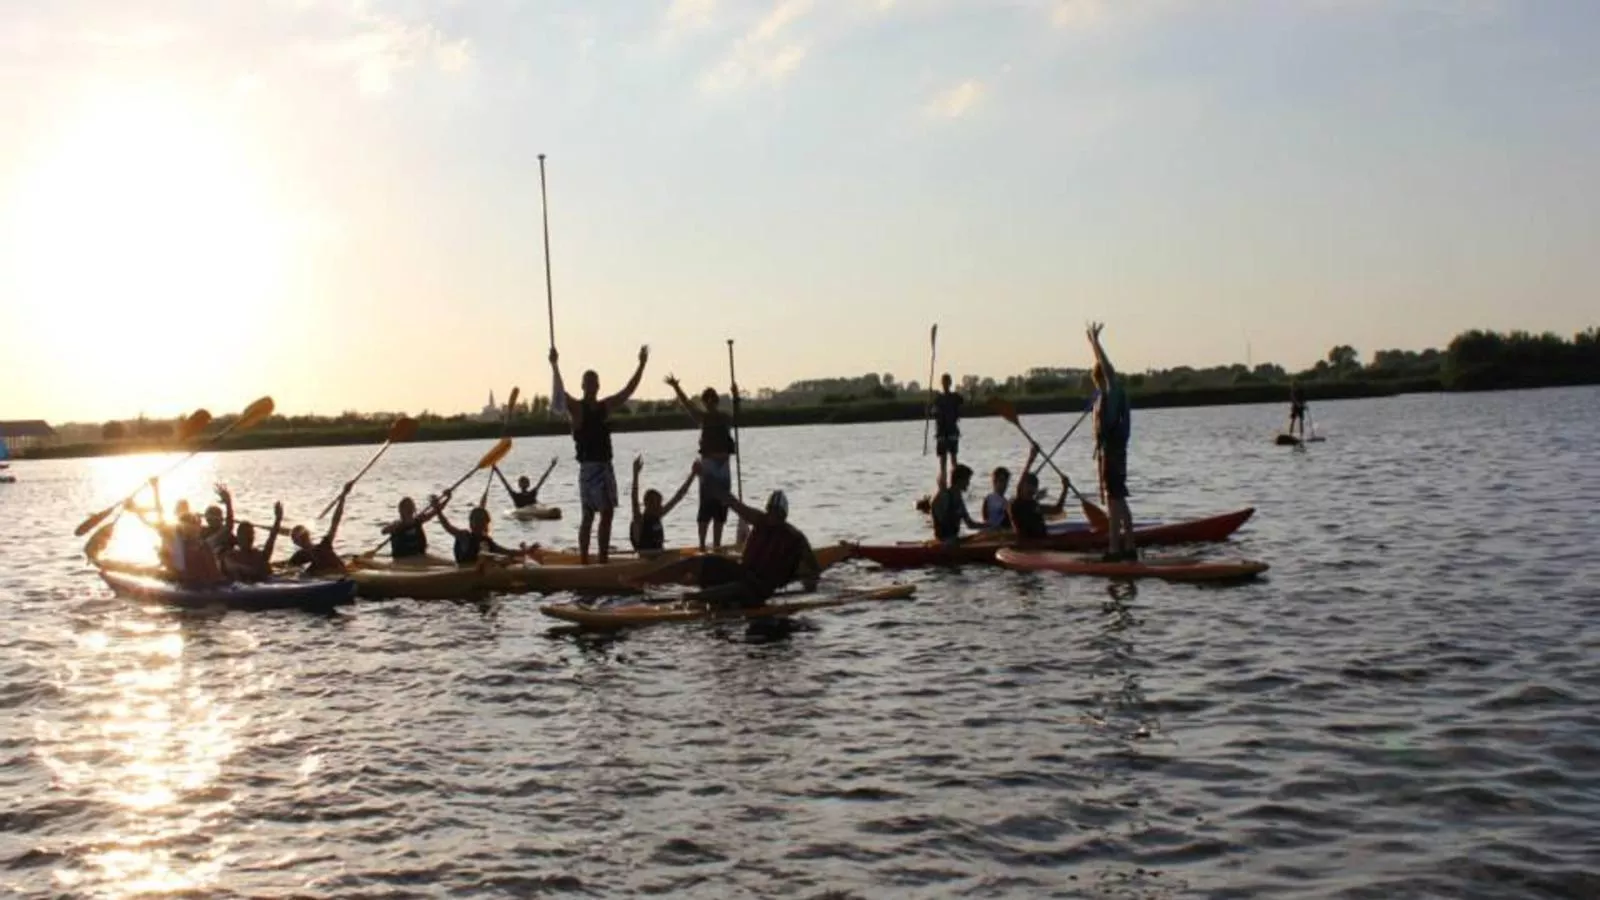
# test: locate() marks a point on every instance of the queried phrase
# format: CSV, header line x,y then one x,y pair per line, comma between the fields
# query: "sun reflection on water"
x,y
147,741
114,477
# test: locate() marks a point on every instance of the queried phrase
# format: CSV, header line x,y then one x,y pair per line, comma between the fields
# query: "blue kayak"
x,y
287,593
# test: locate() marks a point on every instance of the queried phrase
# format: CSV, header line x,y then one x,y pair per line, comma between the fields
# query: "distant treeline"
x,y
1474,360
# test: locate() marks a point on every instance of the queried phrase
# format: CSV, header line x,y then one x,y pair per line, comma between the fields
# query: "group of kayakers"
x,y
1022,514
216,548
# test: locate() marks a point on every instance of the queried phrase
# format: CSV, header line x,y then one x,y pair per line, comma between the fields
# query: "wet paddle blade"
x,y
255,413
88,525
1097,518
403,429
191,427
1004,408
495,454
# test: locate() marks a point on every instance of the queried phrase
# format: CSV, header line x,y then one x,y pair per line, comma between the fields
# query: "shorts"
x,y
597,486
715,472
1114,472
947,445
1297,412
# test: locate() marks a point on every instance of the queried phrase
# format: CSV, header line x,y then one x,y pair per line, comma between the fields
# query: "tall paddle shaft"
x,y
1049,457
738,448
505,432
252,416
489,461
1097,517
549,288
933,355
403,429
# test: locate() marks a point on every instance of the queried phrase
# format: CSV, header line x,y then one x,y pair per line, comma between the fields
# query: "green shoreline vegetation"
x,y
1474,361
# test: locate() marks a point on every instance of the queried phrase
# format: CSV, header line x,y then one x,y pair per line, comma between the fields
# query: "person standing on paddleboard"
x,y
591,433
716,455
1113,425
1297,409
947,424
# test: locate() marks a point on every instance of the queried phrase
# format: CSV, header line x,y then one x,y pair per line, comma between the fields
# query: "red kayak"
x,y
981,550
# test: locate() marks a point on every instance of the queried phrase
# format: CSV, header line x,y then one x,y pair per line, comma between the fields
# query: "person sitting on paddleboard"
x,y
716,453
591,433
647,533
1024,514
407,538
1113,425
320,558
246,563
947,423
949,508
1297,409
472,541
996,504
775,554
526,493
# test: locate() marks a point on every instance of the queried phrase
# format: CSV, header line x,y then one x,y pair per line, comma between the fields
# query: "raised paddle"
x,y
549,289
403,429
741,530
489,461
252,416
933,354
505,429
1052,454
1005,409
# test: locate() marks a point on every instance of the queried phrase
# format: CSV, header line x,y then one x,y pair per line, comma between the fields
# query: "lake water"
x,y
1408,705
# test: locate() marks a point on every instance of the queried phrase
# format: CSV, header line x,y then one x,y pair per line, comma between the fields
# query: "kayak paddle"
x,y
489,461
1097,517
1052,454
741,531
403,429
252,416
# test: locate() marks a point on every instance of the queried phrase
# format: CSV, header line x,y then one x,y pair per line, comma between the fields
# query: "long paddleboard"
x,y
632,615
1172,568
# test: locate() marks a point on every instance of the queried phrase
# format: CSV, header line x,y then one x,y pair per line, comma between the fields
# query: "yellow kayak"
x,y
633,615
432,578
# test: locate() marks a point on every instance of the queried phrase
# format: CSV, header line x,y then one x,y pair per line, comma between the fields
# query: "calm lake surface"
x,y
1408,705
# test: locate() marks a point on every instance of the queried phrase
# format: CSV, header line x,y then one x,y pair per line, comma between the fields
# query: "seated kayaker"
x,y
319,558
246,563
996,504
775,554
950,506
184,556
219,524
646,531
407,539
471,542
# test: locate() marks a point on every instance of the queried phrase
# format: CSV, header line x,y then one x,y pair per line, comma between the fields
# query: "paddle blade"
x,y
98,543
403,429
255,413
511,404
933,334
1004,408
1098,520
495,454
88,525
193,425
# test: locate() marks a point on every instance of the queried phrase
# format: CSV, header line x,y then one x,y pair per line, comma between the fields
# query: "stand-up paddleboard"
x,y
632,615
1172,568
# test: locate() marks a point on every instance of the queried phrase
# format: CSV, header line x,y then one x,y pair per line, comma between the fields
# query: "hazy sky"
x,y
338,202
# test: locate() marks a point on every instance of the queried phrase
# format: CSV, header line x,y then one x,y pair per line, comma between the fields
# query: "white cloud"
x,y
957,101
689,15
1074,14
765,52
379,46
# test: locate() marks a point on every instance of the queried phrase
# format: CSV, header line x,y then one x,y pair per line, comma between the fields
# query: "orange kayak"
x,y
1172,568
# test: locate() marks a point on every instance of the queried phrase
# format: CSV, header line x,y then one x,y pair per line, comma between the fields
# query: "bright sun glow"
x,y
142,229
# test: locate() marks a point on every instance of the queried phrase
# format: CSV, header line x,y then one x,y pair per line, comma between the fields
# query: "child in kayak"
x,y
185,558
775,554
646,532
219,524
319,558
244,562
471,542
1024,514
407,540
716,452
995,505
949,507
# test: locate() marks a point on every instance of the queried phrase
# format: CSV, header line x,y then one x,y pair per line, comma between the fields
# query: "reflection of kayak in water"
x,y
636,614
